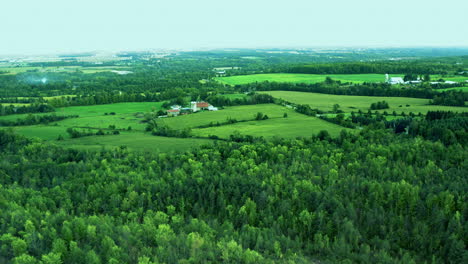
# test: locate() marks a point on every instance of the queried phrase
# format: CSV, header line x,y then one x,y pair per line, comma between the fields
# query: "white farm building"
x,y
393,80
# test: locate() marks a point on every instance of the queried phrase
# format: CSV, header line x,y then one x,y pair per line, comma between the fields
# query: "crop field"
x,y
302,78
349,103
295,125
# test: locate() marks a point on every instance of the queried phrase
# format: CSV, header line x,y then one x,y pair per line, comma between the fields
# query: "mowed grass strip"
x,y
302,78
295,125
240,113
350,103
135,141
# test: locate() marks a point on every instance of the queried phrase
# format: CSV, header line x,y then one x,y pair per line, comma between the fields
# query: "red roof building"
x,y
202,104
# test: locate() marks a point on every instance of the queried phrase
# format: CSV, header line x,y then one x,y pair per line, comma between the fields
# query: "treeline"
x,y
24,109
35,119
252,98
77,133
450,98
371,197
409,67
366,89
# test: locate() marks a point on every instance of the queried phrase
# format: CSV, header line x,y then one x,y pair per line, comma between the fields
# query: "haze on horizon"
x,y
54,26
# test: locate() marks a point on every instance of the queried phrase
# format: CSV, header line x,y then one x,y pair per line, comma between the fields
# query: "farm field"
x,y
454,78
135,141
295,125
245,112
349,103
98,110
315,78
302,78
89,117
464,89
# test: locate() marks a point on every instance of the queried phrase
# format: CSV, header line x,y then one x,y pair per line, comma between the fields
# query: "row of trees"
x,y
35,119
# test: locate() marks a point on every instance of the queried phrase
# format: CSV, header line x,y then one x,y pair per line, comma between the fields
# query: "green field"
x,y
454,78
135,141
89,117
93,118
295,125
315,78
244,112
302,78
349,103
464,89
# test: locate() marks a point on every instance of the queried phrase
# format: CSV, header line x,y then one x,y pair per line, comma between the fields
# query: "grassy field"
x,y
464,89
315,78
41,131
295,125
353,103
245,112
302,78
89,117
454,78
93,117
135,141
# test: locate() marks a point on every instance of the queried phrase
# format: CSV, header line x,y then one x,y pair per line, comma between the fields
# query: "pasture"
x,y
92,117
295,125
302,78
349,103
135,141
315,78
463,89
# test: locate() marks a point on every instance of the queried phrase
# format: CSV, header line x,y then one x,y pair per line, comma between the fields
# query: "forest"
x,y
367,182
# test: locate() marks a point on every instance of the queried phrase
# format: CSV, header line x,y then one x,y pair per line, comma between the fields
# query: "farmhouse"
x,y
393,80
173,112
198,106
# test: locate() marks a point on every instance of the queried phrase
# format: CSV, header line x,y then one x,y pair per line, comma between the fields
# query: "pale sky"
x,y
49,26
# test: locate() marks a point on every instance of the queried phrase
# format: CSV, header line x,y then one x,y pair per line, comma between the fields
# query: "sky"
x,y
59,26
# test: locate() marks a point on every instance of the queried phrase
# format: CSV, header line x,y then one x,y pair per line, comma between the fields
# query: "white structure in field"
x,y
197,106
393,80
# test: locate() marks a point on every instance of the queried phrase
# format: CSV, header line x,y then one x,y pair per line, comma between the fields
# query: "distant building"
x,y
413,82
393,80
197,106
173,112
450,82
